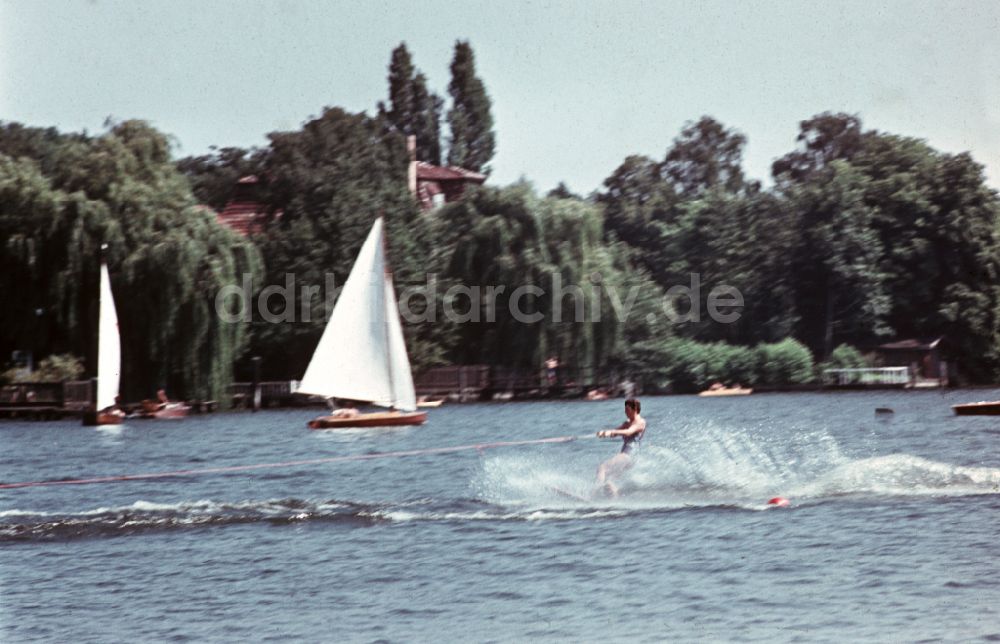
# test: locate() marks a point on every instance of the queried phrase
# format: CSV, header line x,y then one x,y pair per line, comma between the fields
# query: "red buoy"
x,y
779,502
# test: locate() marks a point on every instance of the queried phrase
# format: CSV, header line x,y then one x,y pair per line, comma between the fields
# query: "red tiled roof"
x,y
428,172
244,217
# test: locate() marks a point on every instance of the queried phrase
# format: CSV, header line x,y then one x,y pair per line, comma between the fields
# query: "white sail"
x,y
361,355
109,351
403,394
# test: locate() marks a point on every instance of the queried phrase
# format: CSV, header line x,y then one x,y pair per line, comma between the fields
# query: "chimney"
x,y
411,177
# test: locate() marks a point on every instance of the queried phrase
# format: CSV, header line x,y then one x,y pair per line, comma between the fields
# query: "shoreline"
x,y
50,413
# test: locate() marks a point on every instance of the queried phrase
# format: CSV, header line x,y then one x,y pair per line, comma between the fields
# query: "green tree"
x,y
214,176
413,109
562,191
472,141
639,208
739,240
705,155
937,221
838,282
787,362
822,139
509,238
693,214
167,259
845,357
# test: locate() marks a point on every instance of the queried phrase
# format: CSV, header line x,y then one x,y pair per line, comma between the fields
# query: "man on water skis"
x,y
631,432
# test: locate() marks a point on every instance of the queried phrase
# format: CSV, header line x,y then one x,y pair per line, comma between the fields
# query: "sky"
x,y
576,86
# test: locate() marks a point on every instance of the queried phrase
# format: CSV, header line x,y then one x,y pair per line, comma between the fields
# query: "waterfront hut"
x,y
923,356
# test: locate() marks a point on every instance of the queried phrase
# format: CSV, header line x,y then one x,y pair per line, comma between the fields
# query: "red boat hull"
x,y
173,410
379,419
94,419
991,408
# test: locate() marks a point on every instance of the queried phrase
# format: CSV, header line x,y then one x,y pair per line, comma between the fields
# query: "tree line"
x,y
862,237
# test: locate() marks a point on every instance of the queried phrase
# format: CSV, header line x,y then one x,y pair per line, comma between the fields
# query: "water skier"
x,y
631,432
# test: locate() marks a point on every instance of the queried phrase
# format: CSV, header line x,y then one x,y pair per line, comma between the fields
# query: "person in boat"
x,y
631,432
345,412
342,408
116,409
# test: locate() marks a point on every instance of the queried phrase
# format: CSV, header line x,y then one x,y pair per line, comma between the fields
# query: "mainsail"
x,y
109,351
362,354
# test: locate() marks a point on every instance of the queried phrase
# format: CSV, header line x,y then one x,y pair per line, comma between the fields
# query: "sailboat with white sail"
x,y
109,352
362,354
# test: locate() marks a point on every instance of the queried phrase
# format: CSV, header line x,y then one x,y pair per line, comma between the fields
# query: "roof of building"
x,y
244,217
430,172
241,216
243,213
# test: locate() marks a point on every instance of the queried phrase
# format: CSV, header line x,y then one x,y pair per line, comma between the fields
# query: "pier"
x,y
880,377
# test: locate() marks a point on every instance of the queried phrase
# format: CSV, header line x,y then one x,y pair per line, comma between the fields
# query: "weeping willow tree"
x,y
61,197
588,304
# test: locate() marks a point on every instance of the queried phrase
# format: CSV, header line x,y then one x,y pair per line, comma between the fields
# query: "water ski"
x,y
567,494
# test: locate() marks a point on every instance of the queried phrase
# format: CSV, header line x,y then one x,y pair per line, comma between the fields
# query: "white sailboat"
x,y
362,355
109,352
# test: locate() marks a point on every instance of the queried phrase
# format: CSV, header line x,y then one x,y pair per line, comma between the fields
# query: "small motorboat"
x,y
163,408
726,391
430,403
982,408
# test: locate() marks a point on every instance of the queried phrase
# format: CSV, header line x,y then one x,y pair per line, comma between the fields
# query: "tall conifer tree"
x,y
472,139
413,109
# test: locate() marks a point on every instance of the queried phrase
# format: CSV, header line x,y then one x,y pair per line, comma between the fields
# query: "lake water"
x,y
892,533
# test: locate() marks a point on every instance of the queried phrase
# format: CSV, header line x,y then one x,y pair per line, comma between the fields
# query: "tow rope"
x,y
312,461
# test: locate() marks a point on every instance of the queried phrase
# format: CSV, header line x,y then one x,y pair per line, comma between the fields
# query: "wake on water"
x,y
703,466
710,466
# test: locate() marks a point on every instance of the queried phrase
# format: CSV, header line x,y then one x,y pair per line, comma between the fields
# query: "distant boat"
x,y
983,408
109,357
362,354
163,408
726,391
424,401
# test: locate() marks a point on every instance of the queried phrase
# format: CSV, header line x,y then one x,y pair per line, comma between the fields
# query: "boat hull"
x,y
991,408
378,419
172,410
95,419
725,392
